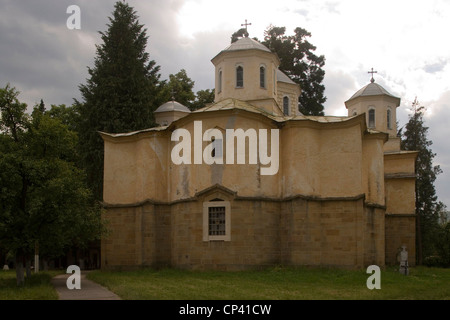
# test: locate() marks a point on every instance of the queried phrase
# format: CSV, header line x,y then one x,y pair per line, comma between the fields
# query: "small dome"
x,y
246,44
372,89
172,106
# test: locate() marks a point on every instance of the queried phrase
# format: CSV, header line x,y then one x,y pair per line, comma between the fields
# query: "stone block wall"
x,y
400,230
119,248
254,237
340,233
374,236
264,232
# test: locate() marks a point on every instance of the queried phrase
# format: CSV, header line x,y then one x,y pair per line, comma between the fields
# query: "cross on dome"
x,y
246,24
372,72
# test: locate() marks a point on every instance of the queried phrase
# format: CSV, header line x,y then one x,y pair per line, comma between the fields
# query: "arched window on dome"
x,y
371,121
262,77
239,77
286,105
389,118
220,82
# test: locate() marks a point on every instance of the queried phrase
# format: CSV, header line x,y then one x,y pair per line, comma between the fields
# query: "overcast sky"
x,y
405,41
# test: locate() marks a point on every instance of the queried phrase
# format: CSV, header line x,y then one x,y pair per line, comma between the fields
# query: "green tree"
x,y
202,98
239,34
179,87
69,116
41,106
415,138
442,245
44,200
300,63
120,94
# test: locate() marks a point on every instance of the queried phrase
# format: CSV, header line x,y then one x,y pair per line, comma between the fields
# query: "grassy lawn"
x,y
37,287
271,284
275,283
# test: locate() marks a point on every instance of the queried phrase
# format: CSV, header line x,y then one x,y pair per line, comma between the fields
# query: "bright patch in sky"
x,y
211,15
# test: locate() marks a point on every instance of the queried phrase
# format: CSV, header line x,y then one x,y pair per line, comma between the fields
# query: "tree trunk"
x,y
19,270
418,234
28,266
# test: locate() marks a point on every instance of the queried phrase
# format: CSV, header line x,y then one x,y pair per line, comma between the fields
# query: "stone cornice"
x,y
236,197
400,175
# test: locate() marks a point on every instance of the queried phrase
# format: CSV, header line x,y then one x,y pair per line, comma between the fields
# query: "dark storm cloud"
x,y
165,44
42,58
39,55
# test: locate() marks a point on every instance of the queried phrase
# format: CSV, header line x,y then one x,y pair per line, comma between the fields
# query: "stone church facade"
x,y
342,194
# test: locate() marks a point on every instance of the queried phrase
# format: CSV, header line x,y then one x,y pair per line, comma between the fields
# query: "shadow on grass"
x,y
36,287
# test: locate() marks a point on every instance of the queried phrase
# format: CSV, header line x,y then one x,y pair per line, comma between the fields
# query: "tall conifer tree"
x,y
120,94
427,207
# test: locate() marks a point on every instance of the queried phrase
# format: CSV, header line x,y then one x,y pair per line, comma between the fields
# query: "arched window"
x,y
372,118
239,77
274,81
389,119
286,105
220,81
262,77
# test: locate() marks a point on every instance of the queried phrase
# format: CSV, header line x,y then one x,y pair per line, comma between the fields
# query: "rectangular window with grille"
x,y
216,221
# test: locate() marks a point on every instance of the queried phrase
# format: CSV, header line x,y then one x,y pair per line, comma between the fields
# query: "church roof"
x,y
234,104
230,103
172,106
282,77
246,44
372,89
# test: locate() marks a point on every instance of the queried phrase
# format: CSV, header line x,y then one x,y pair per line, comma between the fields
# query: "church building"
x,y
250,182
